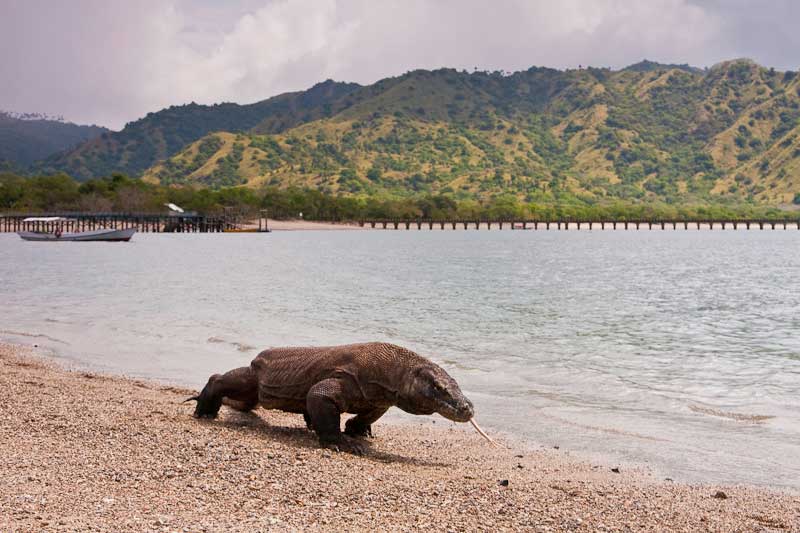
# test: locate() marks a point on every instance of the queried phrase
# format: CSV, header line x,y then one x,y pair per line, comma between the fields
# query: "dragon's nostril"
x,y
469,408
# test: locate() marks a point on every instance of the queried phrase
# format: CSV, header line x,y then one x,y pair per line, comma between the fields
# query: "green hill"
x,y
160,135
26,139
647,132
670,133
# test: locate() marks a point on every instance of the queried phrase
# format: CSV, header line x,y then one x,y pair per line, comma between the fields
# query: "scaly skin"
x,y
323,382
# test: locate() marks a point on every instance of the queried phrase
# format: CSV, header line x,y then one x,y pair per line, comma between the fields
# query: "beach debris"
x,y
569,491
615,470
556,447
503,483
720,495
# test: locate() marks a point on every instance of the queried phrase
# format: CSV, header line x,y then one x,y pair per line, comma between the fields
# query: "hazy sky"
x,y
109,62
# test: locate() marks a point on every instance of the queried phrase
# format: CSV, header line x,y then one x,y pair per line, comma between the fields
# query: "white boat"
x,y
109,235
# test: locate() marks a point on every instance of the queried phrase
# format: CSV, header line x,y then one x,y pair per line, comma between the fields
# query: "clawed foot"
x,y
357,430
346,444
206,409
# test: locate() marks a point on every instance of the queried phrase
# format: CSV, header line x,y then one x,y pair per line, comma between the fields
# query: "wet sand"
x,y
87,452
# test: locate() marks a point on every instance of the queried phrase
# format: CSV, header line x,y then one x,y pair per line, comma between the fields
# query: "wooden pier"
x,y
149,223
420,224
145,223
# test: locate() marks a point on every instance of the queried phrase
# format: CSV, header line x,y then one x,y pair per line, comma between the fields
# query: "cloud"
x,y
111,62
281,46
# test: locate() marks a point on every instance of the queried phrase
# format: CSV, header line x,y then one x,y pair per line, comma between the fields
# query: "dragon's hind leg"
x,y
237,389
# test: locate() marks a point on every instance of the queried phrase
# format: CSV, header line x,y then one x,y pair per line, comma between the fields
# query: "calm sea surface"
x,y
676,349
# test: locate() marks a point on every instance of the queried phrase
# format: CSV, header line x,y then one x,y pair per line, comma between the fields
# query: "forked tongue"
x,y
482,433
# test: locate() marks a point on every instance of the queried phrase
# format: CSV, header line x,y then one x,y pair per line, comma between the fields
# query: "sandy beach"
x,y
89,452
305,225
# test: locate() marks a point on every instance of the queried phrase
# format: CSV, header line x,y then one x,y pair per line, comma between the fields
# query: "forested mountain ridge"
x,y
647,132
161,134
29,137
671,133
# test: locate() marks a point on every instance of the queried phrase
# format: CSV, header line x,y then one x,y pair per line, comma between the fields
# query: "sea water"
x,y
679,350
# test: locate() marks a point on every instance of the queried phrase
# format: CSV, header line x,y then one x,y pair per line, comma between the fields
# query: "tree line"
x,y
121,194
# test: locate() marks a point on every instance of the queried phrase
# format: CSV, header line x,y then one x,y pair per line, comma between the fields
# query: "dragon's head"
x,y
431,390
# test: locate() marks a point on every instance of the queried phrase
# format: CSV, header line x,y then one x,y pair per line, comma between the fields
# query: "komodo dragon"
x,y
324,382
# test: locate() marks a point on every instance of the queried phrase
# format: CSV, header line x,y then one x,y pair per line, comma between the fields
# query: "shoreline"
x,y
86,450
306,225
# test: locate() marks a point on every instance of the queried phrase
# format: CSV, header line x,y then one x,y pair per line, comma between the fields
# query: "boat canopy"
x,y
44,219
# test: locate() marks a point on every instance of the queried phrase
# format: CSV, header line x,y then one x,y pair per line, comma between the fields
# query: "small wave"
x,y
32,335
461,365
242,347
739,417
59,320
610,431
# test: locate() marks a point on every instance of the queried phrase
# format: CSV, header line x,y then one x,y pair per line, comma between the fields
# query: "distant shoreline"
x,y
306,225
312,225
149,223
85,450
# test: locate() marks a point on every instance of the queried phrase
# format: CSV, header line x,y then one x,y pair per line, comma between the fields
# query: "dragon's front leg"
x,y
361,424
325,403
